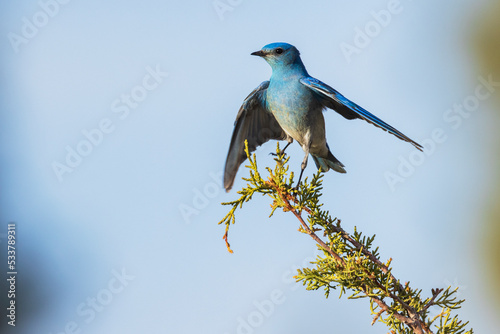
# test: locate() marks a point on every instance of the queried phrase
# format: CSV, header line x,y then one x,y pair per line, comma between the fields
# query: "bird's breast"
x,y
288,98
295,108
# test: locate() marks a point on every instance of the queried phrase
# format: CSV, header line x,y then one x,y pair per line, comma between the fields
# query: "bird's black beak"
x,y
259,53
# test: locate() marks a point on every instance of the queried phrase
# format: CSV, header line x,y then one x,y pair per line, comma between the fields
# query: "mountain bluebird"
x,y
289,106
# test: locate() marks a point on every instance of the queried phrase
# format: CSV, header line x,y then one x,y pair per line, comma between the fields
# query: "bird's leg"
x,y
303,166
284,148
282,152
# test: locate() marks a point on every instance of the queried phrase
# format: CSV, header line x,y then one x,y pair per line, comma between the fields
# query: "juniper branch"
x,y
350,262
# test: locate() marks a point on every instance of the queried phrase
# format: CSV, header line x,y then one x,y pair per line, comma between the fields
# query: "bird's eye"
x,y
279,51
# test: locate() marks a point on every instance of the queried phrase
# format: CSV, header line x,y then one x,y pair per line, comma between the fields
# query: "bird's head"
x,y
279,54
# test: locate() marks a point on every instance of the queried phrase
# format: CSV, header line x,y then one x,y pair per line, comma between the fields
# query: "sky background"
x,y
133,225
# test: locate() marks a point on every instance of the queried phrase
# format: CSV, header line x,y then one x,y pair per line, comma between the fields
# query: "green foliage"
x,y
350,263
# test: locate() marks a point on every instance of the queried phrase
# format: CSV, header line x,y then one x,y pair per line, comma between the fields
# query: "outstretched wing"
x,y
334,100
255,124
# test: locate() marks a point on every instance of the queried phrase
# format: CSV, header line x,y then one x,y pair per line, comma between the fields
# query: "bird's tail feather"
x,y
329,163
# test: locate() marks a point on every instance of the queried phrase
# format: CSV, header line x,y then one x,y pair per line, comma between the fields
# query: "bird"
x,y
290,107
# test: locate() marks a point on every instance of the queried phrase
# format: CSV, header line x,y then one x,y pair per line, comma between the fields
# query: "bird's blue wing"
x,y
332,99
255,124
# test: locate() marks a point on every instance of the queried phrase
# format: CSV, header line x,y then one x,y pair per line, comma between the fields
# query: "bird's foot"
x,y
296,188
279,154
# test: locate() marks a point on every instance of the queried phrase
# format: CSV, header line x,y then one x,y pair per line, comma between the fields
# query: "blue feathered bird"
x,y
289,107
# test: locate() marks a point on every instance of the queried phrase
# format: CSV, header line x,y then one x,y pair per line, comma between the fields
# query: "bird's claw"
x,y
281,153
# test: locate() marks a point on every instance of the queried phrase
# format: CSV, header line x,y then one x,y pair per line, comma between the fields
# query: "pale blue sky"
x,y
120,208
